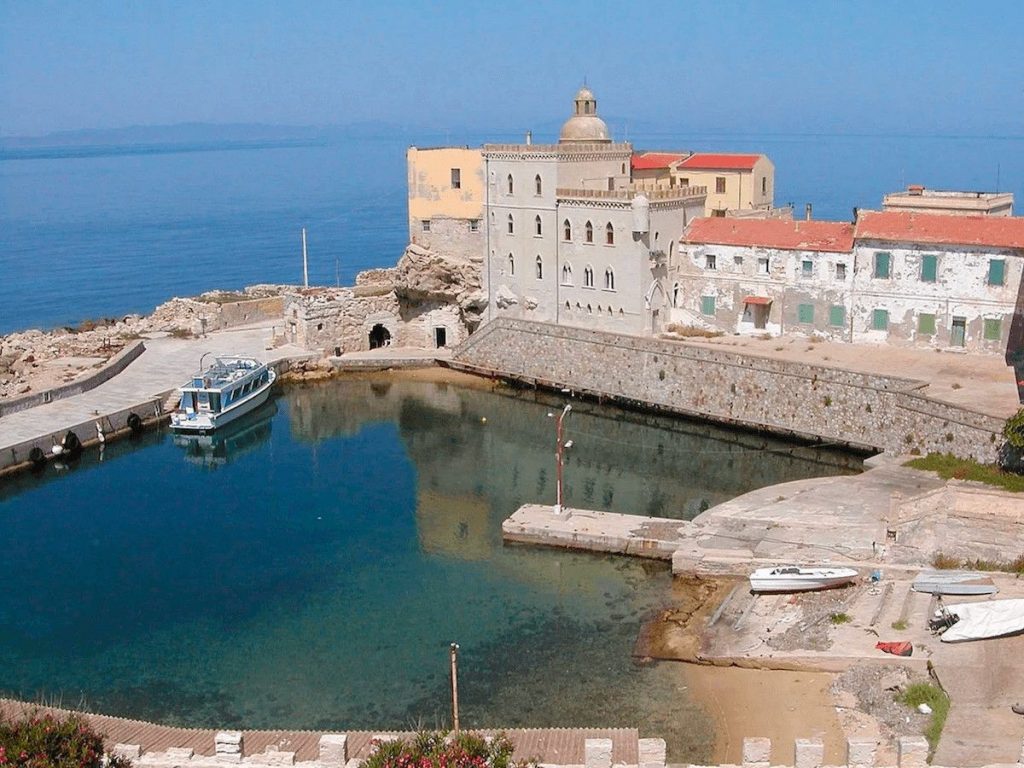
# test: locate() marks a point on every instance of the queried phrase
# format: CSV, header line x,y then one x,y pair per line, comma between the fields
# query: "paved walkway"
x,y
561,746
166,364
982,382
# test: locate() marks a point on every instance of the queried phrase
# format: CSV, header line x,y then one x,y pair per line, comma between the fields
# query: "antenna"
x,y
997,177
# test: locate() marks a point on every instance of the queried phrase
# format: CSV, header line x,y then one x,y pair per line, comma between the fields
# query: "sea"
x,y
108,231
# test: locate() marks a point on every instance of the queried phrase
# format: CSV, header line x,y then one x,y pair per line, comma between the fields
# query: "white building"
x,y
570,239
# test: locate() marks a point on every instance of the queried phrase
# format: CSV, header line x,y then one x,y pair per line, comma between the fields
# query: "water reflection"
x,y
237,438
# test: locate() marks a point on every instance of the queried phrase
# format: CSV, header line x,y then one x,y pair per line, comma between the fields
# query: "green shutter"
x,y
837,315
926,323
707,305
929,263
805,313
996,271
882,259
880,320
993,329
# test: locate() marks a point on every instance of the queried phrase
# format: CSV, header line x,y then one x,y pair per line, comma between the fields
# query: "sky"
x,y
900,66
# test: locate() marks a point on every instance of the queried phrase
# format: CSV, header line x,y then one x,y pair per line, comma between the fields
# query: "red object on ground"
x,y
897,649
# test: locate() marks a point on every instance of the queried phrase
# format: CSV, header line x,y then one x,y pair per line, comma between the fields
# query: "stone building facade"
x,y
919,199
900,278
570,239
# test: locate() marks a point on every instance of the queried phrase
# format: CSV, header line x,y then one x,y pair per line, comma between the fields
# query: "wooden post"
x,y
455,686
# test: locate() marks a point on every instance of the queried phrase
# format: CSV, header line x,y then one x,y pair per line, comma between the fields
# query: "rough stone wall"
x,y
455,238
252,311
856,409
338,319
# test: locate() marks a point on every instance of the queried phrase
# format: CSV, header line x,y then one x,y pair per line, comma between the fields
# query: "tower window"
x,y
538,229
511,264
588,277
566,274
609,234
511,224
540,268
538,187
511,185
589,232
609,279
567,230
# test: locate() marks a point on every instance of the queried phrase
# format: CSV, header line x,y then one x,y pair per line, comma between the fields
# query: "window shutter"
x,y
837,315
996,272
929,269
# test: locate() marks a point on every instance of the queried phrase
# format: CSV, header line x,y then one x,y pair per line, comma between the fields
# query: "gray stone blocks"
x,y
912,752
597,753
757,752
227,746
809,753
333,749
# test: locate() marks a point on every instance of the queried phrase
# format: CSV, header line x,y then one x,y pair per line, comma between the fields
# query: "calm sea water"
x,y
83,237
309,568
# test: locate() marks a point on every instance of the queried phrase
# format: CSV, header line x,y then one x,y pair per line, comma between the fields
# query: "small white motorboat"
x,y
989,618
795,578
231,387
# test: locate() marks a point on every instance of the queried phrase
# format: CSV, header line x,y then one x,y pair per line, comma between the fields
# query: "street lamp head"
x,y
568,407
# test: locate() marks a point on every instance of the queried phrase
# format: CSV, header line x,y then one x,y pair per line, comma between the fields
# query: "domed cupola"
x,y
584,125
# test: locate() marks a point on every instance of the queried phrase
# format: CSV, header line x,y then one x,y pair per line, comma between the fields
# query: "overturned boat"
x,y
936,582
794,578
990,618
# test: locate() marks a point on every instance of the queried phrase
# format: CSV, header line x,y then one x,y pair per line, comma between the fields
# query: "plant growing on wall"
x,y
45,741
430,749
1011,455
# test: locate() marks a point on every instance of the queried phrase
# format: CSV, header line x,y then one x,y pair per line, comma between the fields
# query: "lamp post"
x,y
559,453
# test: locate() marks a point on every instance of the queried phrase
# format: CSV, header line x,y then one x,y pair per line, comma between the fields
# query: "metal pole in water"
x,y
455,686
305,262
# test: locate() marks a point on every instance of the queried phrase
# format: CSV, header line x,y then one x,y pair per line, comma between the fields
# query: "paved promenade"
x,y
166,364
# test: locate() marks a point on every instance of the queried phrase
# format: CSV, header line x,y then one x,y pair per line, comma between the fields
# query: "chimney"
x,y
807,212
529,137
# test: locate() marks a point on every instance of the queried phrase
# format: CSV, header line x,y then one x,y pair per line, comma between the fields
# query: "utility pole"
x,y
455,685
305,262
559,453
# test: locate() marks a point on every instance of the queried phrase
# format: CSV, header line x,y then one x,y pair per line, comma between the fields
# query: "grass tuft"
x,y
840,618
948,466
932,695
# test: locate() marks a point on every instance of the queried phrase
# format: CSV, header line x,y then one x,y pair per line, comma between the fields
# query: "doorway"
x,y
959,332
379,337
440,337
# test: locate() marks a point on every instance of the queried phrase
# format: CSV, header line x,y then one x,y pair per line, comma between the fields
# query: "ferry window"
x,y
215,401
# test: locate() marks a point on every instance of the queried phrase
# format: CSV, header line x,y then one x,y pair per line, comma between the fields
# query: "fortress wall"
x,y
859,410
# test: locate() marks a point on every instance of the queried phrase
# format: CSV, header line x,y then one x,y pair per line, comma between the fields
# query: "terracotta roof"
x,y
646,161
833,236
903,226
713,162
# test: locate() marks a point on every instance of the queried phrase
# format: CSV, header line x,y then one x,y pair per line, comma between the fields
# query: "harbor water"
x,y
309,567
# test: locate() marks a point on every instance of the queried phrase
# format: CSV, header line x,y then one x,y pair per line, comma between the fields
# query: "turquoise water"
x,y
119,231
311,569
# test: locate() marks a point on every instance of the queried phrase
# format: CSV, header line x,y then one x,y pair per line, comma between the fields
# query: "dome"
x,y
584,125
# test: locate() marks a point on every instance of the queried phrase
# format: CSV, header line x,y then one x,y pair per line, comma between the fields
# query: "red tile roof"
x,y
900,226
713,162
833,236
646,161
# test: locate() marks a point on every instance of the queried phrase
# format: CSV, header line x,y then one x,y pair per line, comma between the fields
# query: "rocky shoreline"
x,y
36,360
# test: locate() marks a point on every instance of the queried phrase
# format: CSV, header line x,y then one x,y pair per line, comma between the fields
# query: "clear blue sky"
x,y
760,67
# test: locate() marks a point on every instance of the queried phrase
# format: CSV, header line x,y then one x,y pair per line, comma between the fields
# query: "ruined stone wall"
x,y
461,239
261,310
856,409
340,320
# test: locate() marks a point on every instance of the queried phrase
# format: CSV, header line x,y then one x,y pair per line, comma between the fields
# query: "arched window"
x,y
675,295
566,274
537,184
609,234
589,232
623,168
511,264
540,268
511,224
590,309
538,229
609,279
588,277
511,186
567,230
567,306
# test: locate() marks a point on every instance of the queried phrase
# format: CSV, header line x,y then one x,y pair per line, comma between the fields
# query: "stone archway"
x,y
379,337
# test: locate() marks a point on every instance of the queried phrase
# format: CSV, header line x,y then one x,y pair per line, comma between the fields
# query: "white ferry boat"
x,y
229,388
792,578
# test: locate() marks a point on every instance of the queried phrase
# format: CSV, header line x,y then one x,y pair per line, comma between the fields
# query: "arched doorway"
x,y
379,337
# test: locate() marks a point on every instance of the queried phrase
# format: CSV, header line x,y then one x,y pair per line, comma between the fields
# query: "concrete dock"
x,y
166,363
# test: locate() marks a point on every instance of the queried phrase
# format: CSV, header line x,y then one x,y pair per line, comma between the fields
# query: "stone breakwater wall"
x,y
113,367
859,410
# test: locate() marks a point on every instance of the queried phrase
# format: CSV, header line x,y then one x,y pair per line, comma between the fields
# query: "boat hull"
x,y
954,583
989,618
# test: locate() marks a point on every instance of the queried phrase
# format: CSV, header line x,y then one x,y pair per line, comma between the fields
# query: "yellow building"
x,y
737,185
446,200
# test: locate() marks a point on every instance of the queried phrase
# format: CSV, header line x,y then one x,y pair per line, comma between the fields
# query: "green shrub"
x,y
45,741
927,693
947,466
899,625
436,749
840,618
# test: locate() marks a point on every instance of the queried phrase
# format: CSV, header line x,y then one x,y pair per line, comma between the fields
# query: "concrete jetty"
x,y
142,387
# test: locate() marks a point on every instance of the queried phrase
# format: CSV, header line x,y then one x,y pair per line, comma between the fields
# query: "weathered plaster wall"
x,y
430,185
856,409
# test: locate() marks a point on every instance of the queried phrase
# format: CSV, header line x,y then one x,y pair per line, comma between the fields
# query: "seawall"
x,y
858,410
